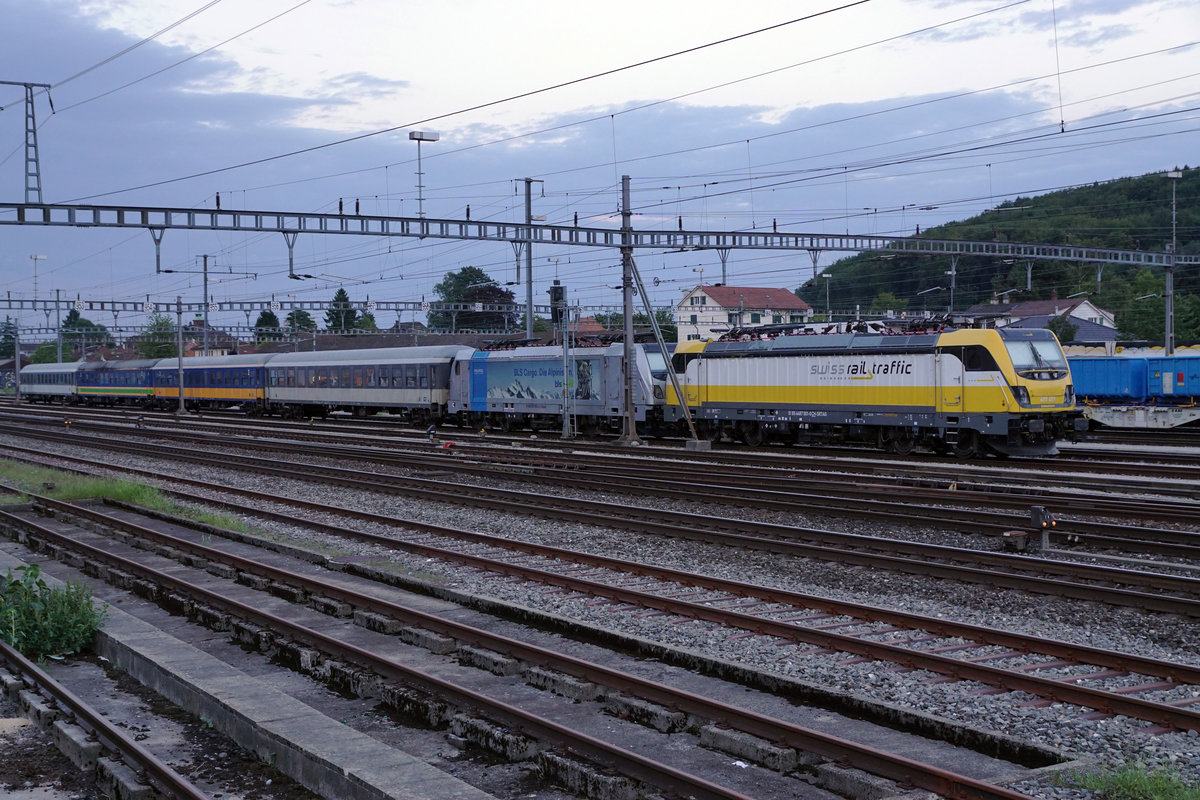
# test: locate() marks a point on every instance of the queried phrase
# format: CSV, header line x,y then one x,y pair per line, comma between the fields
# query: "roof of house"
x,y
1034,308
754,297
1084,331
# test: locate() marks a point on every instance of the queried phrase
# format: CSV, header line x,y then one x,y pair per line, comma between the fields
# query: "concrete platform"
x,y
320,753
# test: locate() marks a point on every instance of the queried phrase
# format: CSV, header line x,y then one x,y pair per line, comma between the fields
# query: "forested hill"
x,y
1132,213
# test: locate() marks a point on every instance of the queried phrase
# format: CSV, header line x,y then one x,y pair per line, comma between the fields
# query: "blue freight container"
x,y
1173,380
1109,379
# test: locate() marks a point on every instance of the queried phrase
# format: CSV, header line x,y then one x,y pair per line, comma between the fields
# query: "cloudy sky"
x,y
833,117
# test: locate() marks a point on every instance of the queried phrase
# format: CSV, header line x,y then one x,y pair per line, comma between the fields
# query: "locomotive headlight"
x,y
1022,395
658,393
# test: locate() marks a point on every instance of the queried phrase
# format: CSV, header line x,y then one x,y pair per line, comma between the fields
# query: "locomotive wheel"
x,y
967,445
751,433
709,430
903,442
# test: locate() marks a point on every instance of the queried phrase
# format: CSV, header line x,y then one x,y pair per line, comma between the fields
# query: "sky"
x,y
821,116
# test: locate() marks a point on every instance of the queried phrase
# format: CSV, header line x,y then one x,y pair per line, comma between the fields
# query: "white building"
x,y
708,311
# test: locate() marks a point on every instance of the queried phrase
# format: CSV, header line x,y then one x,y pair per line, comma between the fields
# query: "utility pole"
x,y
17,357
1169,287
953,273
58,322
179,346
529,256
204,270
629,436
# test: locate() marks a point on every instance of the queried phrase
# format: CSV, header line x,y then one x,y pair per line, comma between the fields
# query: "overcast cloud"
x,y
856,142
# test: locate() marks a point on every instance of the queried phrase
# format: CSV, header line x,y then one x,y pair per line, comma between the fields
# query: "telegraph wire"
x,y
477,107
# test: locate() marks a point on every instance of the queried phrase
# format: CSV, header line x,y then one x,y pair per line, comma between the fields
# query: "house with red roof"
x,y
708,311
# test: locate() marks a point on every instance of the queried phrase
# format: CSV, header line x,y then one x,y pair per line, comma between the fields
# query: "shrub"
x,y
40,621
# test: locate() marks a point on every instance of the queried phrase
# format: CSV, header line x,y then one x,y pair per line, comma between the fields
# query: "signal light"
x,y
1041,518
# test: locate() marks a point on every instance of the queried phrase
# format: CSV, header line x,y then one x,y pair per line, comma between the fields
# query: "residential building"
x,y
708,311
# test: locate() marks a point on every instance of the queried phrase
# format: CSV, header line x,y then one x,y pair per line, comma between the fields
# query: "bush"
x,y
40,621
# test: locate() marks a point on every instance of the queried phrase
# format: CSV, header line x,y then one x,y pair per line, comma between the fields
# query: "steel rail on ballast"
x,y
626,761
959,564
149,767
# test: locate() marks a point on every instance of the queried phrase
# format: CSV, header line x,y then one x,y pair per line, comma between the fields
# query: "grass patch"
x,y
40,621
71,488
1134,782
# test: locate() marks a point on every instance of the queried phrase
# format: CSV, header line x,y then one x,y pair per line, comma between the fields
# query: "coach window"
x,y
425,377
372,381
358,377
322,377
345,375
410,377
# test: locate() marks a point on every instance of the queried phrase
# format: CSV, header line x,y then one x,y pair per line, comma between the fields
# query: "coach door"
x,y
949,376
460,386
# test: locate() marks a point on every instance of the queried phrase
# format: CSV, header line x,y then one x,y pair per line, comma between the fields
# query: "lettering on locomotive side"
x,y
862,368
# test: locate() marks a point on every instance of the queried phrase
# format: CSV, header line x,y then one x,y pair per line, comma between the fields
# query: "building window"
x,y
693,319
777,318
693,337
733,320
703,299
755,318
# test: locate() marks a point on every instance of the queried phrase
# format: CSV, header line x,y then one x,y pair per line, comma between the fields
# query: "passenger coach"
x,y
112,383
212,382
410,382
49,383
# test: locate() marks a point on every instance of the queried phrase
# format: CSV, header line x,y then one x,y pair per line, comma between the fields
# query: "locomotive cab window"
x,y
1038,360
679,363
977,358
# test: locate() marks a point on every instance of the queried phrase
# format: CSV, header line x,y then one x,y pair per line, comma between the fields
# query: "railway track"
x,y
1144,471
774,489
910,640
290,633
527,463
1110,585
125,767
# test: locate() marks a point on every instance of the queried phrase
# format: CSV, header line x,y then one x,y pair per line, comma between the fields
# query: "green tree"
x,y
266,327
1063,328
300,320
8,338
80,333
887,301
158,339
472,285
1144,316
540,324
341,316
366,322
46,353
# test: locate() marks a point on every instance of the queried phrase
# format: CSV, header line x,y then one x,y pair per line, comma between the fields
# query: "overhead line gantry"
x,y
158,220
